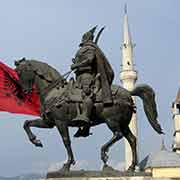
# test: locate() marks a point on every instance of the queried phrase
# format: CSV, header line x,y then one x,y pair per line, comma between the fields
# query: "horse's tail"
x,y
147,94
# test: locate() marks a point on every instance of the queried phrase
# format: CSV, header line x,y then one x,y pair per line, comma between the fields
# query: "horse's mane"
x,y
43,69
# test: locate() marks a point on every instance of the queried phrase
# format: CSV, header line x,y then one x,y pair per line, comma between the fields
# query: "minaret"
x,y
176,119
128,77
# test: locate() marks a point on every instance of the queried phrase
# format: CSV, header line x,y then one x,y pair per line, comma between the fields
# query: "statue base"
x,y
108,173
98,175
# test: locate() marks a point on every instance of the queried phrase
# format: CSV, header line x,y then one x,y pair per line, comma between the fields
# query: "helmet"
x,y
88,36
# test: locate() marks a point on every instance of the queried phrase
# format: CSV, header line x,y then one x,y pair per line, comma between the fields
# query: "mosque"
x,y
164,163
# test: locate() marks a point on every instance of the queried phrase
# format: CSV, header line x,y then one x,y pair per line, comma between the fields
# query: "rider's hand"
x,y
73,66
73,60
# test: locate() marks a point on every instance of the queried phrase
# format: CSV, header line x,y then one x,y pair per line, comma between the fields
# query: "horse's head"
x,y
32,72
26,74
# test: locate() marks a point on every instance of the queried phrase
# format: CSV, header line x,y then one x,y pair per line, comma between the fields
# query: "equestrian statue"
x,y
86,101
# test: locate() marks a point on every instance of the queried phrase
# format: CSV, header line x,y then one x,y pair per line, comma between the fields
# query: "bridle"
x,y
52,84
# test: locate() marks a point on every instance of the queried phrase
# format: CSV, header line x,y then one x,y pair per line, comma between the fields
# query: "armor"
x,y
88,64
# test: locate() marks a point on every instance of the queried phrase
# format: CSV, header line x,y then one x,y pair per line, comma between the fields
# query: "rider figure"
x,y
90,63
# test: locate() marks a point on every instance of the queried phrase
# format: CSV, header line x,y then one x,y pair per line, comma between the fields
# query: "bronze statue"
x,y
84,103
93,72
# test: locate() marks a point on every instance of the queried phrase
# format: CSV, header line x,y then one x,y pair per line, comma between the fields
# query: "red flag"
x,y
12,98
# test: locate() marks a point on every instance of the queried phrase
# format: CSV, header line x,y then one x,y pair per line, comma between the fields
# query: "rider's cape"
x,y
106,74
12,98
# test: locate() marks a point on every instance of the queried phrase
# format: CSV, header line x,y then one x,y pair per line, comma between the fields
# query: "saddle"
x,y
74,94
70,93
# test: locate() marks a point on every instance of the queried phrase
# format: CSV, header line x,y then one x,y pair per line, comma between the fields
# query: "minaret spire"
x,y
127,35
127,47
125,8
128,78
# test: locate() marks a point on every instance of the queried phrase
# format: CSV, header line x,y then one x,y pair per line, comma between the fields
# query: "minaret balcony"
x,y
128,75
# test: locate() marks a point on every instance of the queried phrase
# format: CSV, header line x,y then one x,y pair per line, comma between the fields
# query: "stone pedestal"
x,y
104,178
99,175
113,178
108,173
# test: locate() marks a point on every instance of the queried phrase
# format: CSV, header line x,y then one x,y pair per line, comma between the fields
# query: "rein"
x,y
55,83
66,75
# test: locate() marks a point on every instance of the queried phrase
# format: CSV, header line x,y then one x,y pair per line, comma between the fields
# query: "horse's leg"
x,y
113,125
39,123
105,148
64,132
132,141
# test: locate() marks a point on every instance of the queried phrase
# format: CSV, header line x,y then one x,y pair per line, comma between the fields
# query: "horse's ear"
x,y
23,59
17,63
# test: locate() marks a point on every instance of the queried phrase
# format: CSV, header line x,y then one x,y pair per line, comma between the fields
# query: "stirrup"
x,y
83,132
81,120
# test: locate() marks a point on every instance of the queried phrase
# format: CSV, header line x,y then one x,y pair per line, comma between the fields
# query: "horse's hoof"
x,y
73,162
107,168
131,169
65,169
104,157
37,143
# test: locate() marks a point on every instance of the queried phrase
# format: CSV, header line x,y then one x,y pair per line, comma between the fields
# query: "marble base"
x,y
98,175
112,178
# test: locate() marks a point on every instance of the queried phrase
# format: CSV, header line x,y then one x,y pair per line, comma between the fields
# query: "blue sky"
x,y
50,31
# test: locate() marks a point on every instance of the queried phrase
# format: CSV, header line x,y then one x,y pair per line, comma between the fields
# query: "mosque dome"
x,y
161,159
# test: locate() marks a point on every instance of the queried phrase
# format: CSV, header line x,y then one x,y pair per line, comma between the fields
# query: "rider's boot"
x,y
83,132
83,119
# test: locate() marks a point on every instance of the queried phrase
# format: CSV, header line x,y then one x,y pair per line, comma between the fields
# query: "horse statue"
x,y
58,101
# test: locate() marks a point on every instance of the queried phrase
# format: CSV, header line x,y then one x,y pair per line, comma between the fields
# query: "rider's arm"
x,y
89,56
